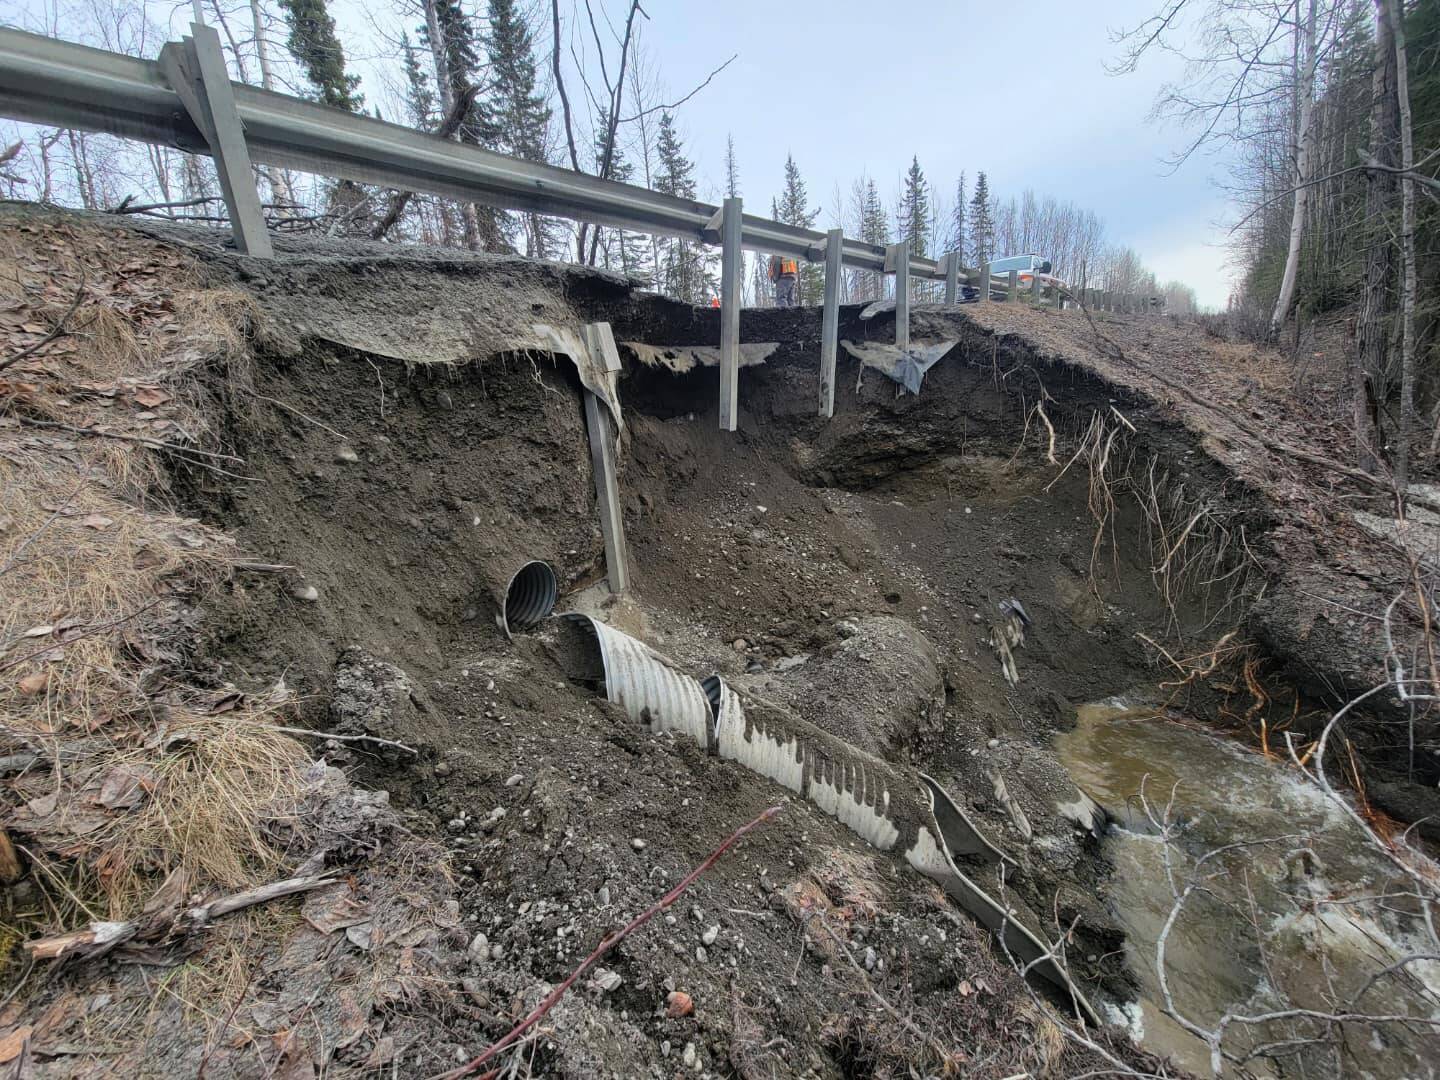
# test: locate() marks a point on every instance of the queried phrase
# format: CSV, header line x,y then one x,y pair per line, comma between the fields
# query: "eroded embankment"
x,y
850,570
415,445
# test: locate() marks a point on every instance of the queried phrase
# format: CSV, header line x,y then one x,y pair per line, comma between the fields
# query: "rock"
x,y
308,593
701,954
603,897
708,938
606,981
442,768
689,1056
346,455
638,844
678,1004
514,780
993,744
739,644
870,958
479,951
372,697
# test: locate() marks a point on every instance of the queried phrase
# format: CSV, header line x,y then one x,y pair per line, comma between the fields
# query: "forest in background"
x,y
1329,111
569,83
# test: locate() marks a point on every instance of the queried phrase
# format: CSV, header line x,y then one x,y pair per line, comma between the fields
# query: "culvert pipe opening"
x,y
530,596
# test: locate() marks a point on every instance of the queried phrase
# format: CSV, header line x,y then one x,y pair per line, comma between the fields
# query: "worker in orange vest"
x,y
783,272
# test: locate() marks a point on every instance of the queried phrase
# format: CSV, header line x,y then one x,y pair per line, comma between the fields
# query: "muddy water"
x,y
1277,928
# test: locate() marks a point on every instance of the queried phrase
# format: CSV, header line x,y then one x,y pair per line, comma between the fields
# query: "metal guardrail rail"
x,y
54,82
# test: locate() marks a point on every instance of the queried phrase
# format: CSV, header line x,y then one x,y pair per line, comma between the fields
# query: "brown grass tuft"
x,y
96,579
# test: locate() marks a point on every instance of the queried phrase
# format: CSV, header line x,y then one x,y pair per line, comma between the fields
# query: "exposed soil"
x,y
414,448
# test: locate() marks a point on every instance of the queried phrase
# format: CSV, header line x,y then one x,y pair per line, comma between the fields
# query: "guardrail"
x,y
186,99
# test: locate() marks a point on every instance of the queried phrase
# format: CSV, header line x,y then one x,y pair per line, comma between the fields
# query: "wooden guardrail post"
x,y
897,257
600,343
732,262
1012,294
952,277
196,72
985,284
830,320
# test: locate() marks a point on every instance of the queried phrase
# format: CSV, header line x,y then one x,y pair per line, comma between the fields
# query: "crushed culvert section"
x,y
634,676
530,597
894,811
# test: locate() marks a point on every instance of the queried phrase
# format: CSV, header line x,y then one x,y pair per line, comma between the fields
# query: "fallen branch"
x,y
58,330
607,943
342,738
104,937
178,449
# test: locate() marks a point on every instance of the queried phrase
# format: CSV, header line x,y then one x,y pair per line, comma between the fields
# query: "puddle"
x,y
1276,928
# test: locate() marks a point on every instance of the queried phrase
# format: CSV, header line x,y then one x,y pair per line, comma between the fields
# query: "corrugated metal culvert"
x,y
530,597
646,684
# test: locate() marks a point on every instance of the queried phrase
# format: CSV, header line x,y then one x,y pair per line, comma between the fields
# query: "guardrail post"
x,y
196,71
897,258
732,262
985,284
952,277
830,320
600,343
1013,292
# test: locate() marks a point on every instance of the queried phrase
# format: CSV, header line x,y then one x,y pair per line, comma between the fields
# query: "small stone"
x,y
514,780
689,1056
665,1048
638,844
497,952
701,954
462,1055
678,1004
479,949
993,744
308,593
870,959
456,824
346,455
739,644
763,509
442,768
708,938
606,981
603,897
975,617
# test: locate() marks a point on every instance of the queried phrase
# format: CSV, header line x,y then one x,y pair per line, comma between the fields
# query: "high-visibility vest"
x,y
789,266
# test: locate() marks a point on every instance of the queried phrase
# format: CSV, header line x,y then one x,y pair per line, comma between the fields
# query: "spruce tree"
x,y
957,219
794,209
683,272
874,229
732,169
317,50
519,114
419,97
915,210
982,224
616,249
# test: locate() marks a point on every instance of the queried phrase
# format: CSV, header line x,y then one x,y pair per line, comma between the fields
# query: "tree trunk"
x,y
1370,333
1407,256
1304,136
279,182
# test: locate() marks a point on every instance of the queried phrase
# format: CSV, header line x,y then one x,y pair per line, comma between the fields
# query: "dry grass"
x,y
96,574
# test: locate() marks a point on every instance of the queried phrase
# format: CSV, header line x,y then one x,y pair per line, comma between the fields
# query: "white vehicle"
x,y
1031,268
